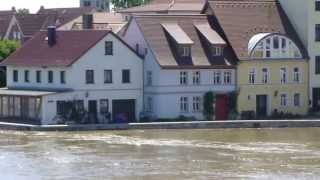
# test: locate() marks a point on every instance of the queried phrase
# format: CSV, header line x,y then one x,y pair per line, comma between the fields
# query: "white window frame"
x,y
294,100
216,51
296,76
196,77
227,77
252,76
283,100
186,51
217,77
183,77
265,76
283,75
184,105
196,104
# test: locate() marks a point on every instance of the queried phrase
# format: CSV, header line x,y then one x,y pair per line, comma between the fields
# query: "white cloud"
x,y
34,5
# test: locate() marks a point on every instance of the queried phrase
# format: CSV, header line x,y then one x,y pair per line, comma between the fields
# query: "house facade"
x,y
184,59
95,70
272,72
306,21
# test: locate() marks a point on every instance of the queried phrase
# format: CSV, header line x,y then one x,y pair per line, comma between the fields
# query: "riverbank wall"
x,y
167,125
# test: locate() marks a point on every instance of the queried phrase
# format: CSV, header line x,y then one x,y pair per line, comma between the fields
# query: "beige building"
x,y
305,17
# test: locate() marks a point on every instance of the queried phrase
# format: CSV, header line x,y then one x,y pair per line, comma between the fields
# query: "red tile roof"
x,y
242,19
31,23
70,46
4,23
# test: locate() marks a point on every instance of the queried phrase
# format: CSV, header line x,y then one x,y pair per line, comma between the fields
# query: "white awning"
x,y
177,33
32,93
211,35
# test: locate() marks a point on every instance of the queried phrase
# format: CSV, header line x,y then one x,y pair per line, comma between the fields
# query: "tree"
x,y
7,47
23,11
128,3
208,108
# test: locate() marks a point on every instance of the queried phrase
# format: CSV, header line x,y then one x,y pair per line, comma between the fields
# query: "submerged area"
x,y
162,154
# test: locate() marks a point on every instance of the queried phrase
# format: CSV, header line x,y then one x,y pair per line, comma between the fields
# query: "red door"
x,y
221,107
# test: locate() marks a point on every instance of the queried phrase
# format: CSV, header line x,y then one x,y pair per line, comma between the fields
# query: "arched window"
x,y
272,46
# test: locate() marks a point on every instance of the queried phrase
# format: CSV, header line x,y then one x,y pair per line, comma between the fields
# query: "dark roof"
x,y
31,23
240,20
168,6
4,23
163,48
61,16
70,46
8,12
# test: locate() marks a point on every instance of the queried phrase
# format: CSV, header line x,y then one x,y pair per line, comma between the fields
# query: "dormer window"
x,y
185,51
267,45
216,51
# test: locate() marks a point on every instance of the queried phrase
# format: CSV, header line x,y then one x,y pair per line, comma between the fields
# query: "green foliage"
x,y
208,108
7,47
23,11
128,3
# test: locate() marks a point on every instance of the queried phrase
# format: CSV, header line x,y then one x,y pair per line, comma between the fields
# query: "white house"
x,y
184,58
305,17
95,70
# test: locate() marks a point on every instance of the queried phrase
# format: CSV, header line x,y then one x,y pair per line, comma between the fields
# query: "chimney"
x,y
42,7
87,21
13,9
52,37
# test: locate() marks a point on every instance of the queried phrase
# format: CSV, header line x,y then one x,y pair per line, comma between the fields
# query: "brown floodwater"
x,y
161,154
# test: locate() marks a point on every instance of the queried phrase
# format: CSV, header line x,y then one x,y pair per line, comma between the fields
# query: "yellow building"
x,y
268,85
272,71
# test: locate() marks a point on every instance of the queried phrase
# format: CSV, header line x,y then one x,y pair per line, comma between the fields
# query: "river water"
x,y
161,154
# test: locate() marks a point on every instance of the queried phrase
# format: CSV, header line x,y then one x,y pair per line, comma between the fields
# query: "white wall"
x,y
166,89
123,58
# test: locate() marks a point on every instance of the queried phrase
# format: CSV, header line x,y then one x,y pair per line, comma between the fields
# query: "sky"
x,y
34,5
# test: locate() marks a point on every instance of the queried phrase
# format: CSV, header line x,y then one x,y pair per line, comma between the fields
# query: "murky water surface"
x,y
161,154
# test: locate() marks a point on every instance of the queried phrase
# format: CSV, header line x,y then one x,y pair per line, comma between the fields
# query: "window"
x,y
109,48
38,76
196,105
87,3
317,32
183,77
104,106
196,77
26,76
276,42
149,78
227,77
185,51
296,99
89,77
296,75
252,76
317,5
265,76
62,77
283,75
217,77
126,76
216,51
15,76
273,46
149,104
283,100
317,65
184,104
107,76
50,76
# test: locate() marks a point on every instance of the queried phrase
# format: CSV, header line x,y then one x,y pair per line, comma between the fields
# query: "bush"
x,y
248,115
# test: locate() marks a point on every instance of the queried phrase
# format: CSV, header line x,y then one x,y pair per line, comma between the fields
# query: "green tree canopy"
x,y
128,3
23,11
7,47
